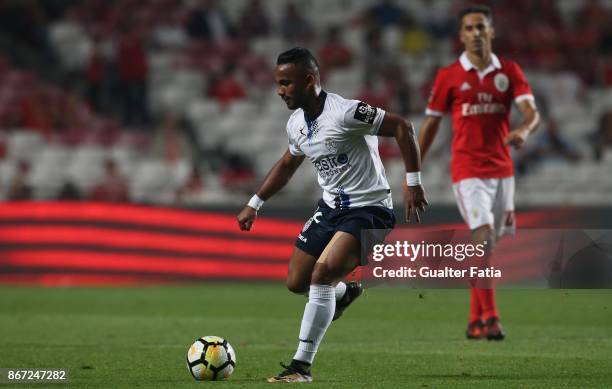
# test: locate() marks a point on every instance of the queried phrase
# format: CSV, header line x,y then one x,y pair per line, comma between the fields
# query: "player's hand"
x,y
516,138
414,201
246,218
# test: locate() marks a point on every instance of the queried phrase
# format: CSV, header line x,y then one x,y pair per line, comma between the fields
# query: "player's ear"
x,y
311,80
492,32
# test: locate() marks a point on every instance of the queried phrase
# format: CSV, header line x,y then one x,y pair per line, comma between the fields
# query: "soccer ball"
x,y
211,358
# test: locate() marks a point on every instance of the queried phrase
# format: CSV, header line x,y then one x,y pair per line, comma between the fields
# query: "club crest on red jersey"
x,y
501,82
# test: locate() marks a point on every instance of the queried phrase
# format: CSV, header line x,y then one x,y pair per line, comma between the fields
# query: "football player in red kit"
x,y
478,90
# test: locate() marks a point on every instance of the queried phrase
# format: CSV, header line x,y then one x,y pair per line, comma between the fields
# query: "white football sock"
x,y
318,315
340,290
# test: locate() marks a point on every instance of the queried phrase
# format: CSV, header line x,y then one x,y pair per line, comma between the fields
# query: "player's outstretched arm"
x,y
427,133
275,180
531,118
403,132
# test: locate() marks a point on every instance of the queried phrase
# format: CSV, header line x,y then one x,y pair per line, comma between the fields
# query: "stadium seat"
x,y
203,110
266,45
47,179
151,182
179,173
72,44
175,98
55,155
305,183
87,167
243,110
23,144
189,80
347,82
161,61
7,171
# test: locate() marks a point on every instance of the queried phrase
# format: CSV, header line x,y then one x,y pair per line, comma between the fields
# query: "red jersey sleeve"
x,y
520,87
439,99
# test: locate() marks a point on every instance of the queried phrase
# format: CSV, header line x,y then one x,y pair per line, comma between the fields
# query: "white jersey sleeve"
x,y
361,118
294,147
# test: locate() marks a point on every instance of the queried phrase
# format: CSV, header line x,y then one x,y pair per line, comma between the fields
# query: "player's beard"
x,y
292,102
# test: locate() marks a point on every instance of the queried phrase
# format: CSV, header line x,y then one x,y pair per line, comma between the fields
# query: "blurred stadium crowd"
x,y
173,102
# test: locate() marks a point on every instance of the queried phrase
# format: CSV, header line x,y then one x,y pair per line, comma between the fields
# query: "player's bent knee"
x,y
322,275
297,286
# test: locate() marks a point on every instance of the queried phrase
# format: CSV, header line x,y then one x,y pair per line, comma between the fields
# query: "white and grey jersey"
x,y
342,145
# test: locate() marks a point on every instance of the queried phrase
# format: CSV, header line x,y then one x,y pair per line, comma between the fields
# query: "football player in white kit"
x,y
339,136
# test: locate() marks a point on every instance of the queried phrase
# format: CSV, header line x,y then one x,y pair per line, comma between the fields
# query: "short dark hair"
x,y
299,56
475,9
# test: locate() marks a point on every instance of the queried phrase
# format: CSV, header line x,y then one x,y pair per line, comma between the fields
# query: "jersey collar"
x,y
468,65
323,96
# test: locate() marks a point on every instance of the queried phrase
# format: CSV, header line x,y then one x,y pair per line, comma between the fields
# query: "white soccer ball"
x,y
211,358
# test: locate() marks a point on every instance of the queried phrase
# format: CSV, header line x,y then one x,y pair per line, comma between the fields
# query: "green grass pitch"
x,y
138,337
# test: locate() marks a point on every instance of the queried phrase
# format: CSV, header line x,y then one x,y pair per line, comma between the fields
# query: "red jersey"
x,y
480,103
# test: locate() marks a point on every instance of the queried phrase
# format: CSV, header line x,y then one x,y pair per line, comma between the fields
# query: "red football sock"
x,y
487,302
475,307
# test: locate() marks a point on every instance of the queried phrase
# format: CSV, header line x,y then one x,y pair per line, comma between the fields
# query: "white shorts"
x,y
487,201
